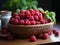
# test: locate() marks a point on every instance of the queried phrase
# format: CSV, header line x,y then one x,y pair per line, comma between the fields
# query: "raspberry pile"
x,y
44,35
29,17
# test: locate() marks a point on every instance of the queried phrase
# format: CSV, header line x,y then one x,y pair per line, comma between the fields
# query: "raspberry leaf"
x,y
41,9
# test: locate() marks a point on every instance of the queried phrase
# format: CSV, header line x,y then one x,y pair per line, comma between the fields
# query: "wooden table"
x,y
51,39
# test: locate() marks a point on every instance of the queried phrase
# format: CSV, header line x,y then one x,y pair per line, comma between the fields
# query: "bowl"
x,y
25,31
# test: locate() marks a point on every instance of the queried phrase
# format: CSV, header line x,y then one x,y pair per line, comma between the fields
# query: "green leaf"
x,y
34,3
41,9
52,15
34,7
47,12
47,17
18,10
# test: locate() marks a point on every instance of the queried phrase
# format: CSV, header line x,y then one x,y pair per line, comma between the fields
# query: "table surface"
x,y
51,39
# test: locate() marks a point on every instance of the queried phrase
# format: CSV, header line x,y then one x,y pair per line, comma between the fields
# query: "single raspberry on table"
x,y
33,39
45,35
9,36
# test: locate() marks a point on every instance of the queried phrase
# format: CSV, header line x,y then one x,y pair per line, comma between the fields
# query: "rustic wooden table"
x,y
51,39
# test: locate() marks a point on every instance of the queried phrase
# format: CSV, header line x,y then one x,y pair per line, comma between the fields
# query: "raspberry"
x,y
15,14
28,14
33,39
16,21
40,36
45,35
31,18
50,32
40,16
22,11
36,17
27,22
36,11
4,31
32,12
21,22
49,20
10,37
22,15
33,22
43,14
37,22
11,20
56,33
17,17
42,21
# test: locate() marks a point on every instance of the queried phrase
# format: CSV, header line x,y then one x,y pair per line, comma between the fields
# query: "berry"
x,y
42,21
56,33
11,20
16,21
32,12
50,32
40,16
21,22
31,18
36,17
10,37
37,22
4,31
36,11
40,36
17,17
22,14
28,14
27,22
45,35
49,20
33,39
15,14
33,22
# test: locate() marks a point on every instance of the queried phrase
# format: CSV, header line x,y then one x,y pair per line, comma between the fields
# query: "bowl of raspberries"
x,y
29,22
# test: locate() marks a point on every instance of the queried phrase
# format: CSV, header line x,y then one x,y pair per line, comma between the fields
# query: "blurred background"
x,y
51,5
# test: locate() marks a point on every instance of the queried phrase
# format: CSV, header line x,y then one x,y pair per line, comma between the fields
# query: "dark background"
x,y
51,5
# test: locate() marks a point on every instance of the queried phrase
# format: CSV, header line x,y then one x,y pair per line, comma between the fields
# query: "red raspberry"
x,y
31,18
40,16
10,37
17,17
45,35
36,17
11,20
15,14
49,20
33,39
43,14
40,36
22,11
56,33
28,14
27,22
37,22
50,32
16,21
42,21
33,22
21,22
4,31
32,11
36,11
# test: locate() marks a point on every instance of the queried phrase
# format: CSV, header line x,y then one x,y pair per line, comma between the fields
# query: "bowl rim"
x,y
32,25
